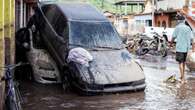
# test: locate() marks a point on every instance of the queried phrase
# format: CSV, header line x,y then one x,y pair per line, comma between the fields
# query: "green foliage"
x,y
106,5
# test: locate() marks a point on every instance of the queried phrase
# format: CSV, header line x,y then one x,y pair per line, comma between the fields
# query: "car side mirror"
x,y
26,46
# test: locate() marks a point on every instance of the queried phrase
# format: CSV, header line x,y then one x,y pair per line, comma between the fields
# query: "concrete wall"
x,y
123,24
143,19
127,26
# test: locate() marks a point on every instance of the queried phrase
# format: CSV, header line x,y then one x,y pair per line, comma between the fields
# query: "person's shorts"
x,y
181,57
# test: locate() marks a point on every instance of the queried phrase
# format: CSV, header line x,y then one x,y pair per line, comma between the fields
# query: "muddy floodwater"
x,y
158,95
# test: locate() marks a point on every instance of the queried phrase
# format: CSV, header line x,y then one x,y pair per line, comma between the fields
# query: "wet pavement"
x,y
158,95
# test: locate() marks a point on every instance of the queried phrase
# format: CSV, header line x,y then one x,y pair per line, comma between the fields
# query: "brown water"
x,y
158,95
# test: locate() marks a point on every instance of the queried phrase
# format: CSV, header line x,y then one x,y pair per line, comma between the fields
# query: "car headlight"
x,y
88,74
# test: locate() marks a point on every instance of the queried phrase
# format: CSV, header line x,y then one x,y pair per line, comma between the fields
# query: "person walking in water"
x,y
183,36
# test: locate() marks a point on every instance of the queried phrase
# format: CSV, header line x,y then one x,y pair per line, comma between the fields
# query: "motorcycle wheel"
x,y
163,52
153,45
142,51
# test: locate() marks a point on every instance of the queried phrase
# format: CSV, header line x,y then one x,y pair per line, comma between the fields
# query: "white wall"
x,y
141,19
159,30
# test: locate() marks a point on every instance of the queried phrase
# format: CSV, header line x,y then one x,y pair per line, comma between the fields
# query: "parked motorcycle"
x,y
134,42
156,45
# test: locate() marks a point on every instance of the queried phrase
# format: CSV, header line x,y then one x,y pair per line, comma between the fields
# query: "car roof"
x,y
80,12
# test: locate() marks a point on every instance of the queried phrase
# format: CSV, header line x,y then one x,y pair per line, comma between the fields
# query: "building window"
x,y
148,22
138,22
164,24
158,24
125,23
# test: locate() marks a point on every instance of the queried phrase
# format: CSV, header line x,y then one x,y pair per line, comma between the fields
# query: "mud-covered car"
x,y
44,68
64,27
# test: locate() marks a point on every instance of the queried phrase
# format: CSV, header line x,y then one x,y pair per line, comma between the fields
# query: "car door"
x,y
61,29
46,29
48,32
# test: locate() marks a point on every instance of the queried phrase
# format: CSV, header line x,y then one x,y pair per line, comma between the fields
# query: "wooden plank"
x,y
1,34
7,40
7,32
12,30
2,84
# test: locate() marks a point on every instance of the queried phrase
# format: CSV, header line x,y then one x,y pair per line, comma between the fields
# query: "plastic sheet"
x,y
80,55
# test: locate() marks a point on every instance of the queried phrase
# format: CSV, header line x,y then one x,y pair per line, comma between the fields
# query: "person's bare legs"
x,y
182,70
184,65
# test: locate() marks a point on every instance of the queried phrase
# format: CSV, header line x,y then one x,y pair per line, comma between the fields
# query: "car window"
x,y
45,8
94,34
55,18
66,33
49,11
60,25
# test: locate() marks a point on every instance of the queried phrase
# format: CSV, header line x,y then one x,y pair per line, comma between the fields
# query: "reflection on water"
x,y
157,95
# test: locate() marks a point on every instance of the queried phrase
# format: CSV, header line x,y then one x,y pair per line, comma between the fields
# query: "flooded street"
x,y
157,95
50,47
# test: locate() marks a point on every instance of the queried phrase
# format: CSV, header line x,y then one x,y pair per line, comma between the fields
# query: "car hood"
x,y
111,67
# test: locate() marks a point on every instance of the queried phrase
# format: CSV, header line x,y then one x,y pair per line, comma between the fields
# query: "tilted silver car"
x,y
64,27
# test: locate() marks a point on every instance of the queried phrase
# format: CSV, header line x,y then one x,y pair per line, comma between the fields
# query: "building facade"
x,y
166,11
145,18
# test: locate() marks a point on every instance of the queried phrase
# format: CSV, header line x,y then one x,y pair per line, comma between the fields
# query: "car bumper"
x,y
90,89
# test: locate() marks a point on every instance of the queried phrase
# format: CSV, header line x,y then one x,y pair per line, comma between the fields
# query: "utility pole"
x,y
125,8
153,13
21,13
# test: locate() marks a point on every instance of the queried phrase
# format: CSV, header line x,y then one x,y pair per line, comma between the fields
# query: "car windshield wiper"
x,y
105,47
96,48
87,47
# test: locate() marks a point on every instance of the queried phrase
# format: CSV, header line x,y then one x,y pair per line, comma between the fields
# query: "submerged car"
x,y
64,27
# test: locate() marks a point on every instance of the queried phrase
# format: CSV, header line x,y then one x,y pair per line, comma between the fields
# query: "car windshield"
x,y
94,35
